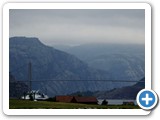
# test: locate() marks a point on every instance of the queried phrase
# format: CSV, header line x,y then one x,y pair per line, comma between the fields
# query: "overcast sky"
x,y
74,27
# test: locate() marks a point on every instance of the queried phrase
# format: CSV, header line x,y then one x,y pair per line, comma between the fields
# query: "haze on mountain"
x,y
122,61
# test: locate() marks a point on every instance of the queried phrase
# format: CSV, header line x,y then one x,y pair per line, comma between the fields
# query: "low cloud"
x,y
79,26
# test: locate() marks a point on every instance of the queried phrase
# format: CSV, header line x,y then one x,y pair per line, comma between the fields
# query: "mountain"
x,y
128,92
48,64
121,61
51,62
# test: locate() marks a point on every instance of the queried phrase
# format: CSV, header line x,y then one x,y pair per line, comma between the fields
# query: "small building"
x,y
66,99
34,95
76,99
85,100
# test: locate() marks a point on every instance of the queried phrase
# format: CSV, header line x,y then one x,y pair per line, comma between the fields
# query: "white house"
x,y
35,95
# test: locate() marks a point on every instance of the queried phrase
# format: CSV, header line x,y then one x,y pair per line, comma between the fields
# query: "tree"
x,y
104,102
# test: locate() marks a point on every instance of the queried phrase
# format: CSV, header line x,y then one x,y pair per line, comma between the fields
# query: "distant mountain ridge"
x,y
121,61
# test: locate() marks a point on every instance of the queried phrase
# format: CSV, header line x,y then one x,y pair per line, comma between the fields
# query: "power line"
x,y
50,80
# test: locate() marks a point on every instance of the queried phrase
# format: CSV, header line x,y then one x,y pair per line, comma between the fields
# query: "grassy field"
x,y
26,104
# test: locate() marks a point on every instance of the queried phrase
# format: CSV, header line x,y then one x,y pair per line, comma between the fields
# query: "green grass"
x,y
26,104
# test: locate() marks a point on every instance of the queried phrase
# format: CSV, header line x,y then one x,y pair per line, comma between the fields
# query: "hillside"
x,y
16,88
129,92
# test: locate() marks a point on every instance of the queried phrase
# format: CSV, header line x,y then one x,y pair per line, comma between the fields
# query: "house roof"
x,y
64,98
76,99
85,99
